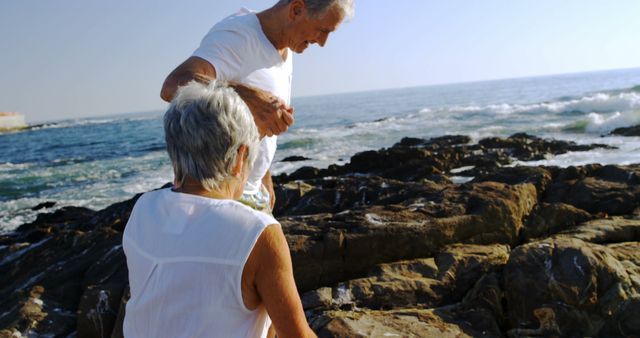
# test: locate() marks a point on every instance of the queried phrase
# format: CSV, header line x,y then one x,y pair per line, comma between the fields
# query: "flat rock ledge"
x,y
427,238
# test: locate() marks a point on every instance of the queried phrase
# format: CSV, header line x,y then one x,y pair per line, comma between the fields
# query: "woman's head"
x,y
211,136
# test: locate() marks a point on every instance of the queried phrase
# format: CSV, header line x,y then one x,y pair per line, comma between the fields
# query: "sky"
x,y
80,58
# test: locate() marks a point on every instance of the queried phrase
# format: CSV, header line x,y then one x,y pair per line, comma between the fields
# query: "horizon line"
x,y
155,110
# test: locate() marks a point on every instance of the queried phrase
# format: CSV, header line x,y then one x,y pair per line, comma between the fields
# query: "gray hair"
x,y
204,127
317,8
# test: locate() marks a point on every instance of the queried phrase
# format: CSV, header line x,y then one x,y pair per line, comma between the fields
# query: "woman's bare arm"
x,y
274,283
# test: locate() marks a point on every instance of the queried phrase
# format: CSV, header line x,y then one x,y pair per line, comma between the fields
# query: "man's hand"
x,y
271,115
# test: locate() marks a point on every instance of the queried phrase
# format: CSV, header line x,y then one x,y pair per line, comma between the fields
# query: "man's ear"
x,y
296,9
241,160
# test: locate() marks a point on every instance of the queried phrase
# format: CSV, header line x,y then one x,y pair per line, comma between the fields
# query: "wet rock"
x,y
549,218
627,131
565,287
423,294
289,194
595,195
59,218
538,176
295,159
483,305
602,231
303,173
44,205
434,143
620,174
327,248
626,322
628,253
388,244
117,326
531,148
426,283
98,310
58,264
398,323
410,142
320,298
333,195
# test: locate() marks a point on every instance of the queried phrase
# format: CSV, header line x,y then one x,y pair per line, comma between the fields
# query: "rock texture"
x,y
388,245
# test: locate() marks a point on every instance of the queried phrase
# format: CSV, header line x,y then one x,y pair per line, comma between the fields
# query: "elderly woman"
x,y
200,263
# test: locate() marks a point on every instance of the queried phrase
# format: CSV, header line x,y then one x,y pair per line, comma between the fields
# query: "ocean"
x,y
96,162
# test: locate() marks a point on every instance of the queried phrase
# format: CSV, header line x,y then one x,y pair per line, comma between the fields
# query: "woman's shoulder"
x,y
258,217
209,208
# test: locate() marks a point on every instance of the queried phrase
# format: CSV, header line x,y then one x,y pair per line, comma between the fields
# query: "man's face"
x,y
306,30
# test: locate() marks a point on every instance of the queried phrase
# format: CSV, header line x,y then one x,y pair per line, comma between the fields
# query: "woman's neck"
x,y
193,187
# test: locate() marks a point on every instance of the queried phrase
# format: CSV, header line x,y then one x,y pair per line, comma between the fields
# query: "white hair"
x,y
317,8
204,127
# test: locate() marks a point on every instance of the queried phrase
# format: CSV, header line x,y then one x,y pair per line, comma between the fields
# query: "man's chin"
x,y
301,48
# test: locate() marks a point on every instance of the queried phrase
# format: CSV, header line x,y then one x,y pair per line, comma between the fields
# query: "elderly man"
x,y
252,51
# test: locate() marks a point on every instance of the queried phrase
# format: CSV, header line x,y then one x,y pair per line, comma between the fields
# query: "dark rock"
x,y
612,230
304,173
413,159
627,131
628,253
295,159
58,264
333,195
98,310
329,248
430,282
402,297
43,205
60,217
117,326
410,142
387,244
395,323
595,195
538,176
320,298
531,148
288,195
564,287
626,322
618,174
483,305
434,143
550,218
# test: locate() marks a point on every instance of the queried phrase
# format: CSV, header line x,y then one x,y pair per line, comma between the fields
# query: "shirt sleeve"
x,y
226,50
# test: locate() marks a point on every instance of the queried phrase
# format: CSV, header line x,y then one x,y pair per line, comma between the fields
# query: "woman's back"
x,y
186,255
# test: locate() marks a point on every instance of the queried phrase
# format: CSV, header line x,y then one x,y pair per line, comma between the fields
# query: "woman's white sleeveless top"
x,y
185,255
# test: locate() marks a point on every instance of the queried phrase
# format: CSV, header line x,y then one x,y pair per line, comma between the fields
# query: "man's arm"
x,y
194,68
271,115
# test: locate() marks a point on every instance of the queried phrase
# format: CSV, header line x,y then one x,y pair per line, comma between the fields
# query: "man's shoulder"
x,y
243,21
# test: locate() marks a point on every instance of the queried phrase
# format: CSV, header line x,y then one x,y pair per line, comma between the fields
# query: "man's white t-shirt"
x,y
240,52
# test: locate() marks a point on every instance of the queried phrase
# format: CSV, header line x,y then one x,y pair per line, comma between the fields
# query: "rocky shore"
x,y
427,238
